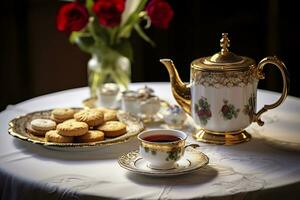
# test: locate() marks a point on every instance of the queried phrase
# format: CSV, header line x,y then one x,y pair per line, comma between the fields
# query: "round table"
x,y
267,167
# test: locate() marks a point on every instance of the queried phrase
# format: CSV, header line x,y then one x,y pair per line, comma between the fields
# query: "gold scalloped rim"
x,y
127,161
17,128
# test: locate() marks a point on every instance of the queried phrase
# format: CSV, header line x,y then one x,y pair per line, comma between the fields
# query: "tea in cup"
x,y
162,148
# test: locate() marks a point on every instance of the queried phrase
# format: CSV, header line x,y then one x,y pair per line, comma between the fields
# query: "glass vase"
x,y
108,68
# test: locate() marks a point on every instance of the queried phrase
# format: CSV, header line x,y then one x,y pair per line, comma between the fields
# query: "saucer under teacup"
x,y
191,161
168,167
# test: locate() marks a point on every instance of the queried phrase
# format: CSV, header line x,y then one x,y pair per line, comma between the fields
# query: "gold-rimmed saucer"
x,y
192,160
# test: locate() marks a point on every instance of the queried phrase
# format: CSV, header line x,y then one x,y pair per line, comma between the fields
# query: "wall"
x,y
36,59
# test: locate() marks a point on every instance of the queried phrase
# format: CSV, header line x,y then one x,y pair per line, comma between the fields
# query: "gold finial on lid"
x,y
224,43
224,56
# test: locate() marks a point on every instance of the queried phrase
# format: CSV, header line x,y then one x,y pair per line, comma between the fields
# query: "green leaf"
x,y
84,41
100,34
126,28
125,31
143,35
112,33
89,4
141,6
135,15
74,36
124,48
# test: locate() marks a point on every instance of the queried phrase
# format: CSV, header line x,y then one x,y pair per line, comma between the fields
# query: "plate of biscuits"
x,y
76,127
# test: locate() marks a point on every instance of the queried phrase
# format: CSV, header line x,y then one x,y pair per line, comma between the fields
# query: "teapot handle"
x,y
278,63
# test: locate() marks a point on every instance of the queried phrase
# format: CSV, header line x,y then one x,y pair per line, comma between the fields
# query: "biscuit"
x,y
53,136
109,114
113,128
93,117
43,124
71,120
56,120
91,136
63,113
34,132
72,128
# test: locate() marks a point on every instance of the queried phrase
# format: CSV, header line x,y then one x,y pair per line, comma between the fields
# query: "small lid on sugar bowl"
x,y
223,60
109,89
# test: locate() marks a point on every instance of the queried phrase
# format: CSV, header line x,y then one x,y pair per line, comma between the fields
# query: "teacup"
x,y
162,148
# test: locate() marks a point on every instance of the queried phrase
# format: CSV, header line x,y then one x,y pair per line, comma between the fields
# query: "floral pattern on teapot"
x,y
249,109
203,110
229,111
221,95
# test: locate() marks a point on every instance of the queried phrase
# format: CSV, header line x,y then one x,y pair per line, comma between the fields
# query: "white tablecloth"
x,y
255,169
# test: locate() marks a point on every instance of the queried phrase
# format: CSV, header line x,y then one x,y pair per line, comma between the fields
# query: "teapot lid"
x,y
223,60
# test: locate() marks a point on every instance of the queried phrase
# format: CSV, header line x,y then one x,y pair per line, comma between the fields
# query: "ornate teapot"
x,y
221,95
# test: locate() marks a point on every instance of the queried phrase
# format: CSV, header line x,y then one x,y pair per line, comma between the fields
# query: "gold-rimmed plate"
x,y
192,160
17,128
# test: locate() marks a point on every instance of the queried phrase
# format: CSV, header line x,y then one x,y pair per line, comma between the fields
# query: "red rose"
x,y
225,109
109,12
201,113
72,17
208,113
160,13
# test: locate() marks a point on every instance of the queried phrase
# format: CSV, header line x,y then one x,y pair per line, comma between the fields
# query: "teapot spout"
x,y
180,90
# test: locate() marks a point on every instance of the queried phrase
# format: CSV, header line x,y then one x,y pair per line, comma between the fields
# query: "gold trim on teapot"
x,y
221,95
